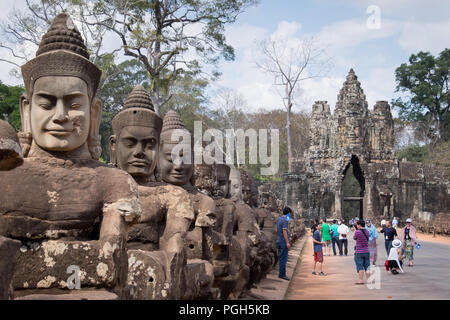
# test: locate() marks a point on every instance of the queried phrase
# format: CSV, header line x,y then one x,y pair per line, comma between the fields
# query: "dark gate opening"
x,y
353,189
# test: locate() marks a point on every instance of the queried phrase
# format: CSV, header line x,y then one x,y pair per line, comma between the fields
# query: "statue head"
x,y
10,150
175,156
136,131
222,175
248,188
59,111
235,193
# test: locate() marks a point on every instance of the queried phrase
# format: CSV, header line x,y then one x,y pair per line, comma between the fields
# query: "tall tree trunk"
x,y
289,137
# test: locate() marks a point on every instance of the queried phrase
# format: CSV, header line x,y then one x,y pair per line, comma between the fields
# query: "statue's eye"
x,y
75,106
45,106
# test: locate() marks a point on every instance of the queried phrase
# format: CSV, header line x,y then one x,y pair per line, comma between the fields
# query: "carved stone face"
x,y
222,182
60,113
178,172
235,186
136,150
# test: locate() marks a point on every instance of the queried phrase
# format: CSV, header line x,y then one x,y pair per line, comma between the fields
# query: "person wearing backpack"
x,y
362,254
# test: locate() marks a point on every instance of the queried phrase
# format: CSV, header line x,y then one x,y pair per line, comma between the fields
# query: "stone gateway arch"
x,y
351,169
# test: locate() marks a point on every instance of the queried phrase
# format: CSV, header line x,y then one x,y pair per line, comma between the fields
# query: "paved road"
x,y
428,279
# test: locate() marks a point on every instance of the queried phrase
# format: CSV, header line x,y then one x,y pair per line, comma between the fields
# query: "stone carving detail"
x,y
77,216
157,256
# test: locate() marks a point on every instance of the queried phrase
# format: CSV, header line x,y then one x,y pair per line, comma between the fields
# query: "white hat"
x,y
396,243
408,220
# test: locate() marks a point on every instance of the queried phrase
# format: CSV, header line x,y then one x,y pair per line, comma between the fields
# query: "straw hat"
x,y
396,243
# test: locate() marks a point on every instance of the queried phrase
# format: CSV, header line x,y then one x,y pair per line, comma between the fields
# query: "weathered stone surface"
x,y
48,264
73,295
9,250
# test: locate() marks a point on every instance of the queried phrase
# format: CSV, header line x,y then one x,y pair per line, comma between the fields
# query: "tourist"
x,y
326,237
313,229
283,242
389,236
408,236
395,223
352,224
318,253
343,231
394,261
362,255
335,237
372,241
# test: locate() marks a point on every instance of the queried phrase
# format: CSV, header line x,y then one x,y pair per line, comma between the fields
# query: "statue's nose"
x,y
60,113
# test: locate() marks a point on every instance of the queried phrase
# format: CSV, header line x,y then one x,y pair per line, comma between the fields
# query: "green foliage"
x,y
426,81
10,103
413,153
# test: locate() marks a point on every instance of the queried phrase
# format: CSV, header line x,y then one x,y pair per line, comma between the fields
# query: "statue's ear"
x,y
94,139
96,116
113,149
25,112
25,135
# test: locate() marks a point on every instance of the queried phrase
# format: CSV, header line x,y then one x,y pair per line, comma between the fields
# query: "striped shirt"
x,y
362,242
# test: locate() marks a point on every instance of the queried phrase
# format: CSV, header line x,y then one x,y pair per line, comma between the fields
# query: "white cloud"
x,y
426,36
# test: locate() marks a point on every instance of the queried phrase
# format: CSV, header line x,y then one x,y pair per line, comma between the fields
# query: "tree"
x,y
426,80
9,104
162,35
291,63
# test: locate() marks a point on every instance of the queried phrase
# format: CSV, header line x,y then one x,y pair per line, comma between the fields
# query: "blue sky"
x,y
406,27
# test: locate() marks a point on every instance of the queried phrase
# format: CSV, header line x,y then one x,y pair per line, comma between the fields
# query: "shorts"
x,y
318,256
328,241
362,261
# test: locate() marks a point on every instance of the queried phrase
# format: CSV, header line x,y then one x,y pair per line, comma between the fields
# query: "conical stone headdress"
x,y
137,111
172,121
62,52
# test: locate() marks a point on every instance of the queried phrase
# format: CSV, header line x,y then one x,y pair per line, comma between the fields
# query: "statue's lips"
x,y
138,163
177,175
60,133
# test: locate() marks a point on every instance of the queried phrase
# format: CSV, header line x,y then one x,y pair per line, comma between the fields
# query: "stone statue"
x,y
247,233
156,243
177,168
69,210
10,150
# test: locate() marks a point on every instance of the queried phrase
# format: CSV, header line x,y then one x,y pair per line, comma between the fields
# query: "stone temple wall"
x,y
355,135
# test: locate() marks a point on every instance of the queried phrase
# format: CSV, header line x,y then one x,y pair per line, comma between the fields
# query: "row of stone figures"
x,y
143,227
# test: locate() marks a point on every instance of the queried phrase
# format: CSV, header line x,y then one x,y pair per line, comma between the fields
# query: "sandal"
x,y
322,274
359,283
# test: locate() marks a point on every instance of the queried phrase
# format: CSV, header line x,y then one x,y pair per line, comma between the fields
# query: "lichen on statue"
x,y
62,203
157,241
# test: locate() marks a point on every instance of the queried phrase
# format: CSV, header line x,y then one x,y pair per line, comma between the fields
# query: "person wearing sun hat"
x,y
394,261
408,236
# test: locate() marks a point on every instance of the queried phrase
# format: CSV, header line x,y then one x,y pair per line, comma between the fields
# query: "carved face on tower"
x,y
59,111
135,143
175,156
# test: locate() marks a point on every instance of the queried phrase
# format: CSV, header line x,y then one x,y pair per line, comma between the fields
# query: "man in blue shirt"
x,y
283,241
